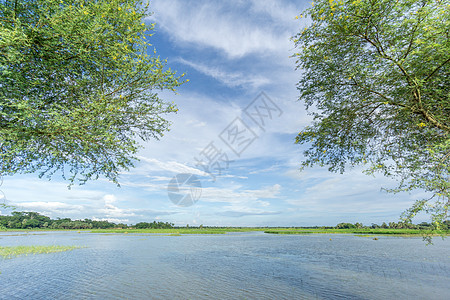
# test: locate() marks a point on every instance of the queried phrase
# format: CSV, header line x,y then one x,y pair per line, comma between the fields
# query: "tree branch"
x,y
435,70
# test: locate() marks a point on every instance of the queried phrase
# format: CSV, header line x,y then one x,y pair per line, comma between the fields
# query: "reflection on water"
x,y
232,266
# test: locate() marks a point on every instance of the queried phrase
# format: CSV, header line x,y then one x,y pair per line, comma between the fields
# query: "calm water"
x,y
231,266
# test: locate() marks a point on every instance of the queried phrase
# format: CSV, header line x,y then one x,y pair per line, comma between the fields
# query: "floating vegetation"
x,y
9,252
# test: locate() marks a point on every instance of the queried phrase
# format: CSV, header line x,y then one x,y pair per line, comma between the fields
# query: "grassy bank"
x,y
208,230
378,231
223,230
25,230
9,252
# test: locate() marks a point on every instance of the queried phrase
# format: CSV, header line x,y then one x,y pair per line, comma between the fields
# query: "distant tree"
x,y
345,226
30,223
376,78
102,224
153,225
78,87
122,225
447,224
142,225
424,225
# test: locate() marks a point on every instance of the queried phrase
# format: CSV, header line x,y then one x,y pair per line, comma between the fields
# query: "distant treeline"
x,y
392,225
29,220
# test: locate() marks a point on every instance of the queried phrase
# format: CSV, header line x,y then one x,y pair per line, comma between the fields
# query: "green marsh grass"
x,y
224,230
13,251
362,231
179,230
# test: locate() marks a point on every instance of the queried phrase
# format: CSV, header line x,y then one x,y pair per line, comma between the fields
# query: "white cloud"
x,y
114,220
352,192
281,12
234,79
195,123
159,178
109,199
232,176
172,166
50,206
220,25
234,194
111,211
238,212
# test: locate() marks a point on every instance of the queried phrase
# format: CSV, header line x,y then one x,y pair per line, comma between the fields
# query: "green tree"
x,y
375,77
77,87
345,226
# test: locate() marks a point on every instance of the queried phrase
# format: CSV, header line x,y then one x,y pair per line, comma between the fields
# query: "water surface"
x,y
250,265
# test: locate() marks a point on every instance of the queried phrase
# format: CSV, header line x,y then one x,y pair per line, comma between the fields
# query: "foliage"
x,y
375,76
77,87
345,225
154,225
34,220
175,231
30,220
378,231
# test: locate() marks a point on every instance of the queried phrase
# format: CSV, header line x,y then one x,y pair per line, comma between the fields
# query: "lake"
x,y
249,265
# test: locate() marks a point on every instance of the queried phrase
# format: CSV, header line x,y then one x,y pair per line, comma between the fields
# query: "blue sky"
x,y
231,51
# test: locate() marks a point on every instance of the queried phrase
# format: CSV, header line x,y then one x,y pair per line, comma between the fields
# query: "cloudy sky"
x,y
234,134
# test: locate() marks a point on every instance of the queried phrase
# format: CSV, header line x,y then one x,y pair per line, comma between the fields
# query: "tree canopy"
x,y
30,220
78,88
375,76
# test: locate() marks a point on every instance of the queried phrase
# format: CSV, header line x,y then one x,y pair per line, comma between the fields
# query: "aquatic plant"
x,y
13,251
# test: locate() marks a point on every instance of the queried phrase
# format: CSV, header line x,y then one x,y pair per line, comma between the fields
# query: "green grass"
x,y
39,229
363,231
209,230
224,230
9,252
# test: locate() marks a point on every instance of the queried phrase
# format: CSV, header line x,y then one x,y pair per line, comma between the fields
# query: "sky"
x,y
230,157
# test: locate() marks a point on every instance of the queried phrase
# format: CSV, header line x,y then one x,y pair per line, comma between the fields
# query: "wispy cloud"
x,y
238,214
172,166
230,79
235,194
54,207
220,25
280,12
351,192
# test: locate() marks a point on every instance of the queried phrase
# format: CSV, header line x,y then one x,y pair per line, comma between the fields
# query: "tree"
x,y
375,77
345,226
77,87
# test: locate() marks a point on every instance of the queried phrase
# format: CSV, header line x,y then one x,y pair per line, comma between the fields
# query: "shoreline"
x,y
224,230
